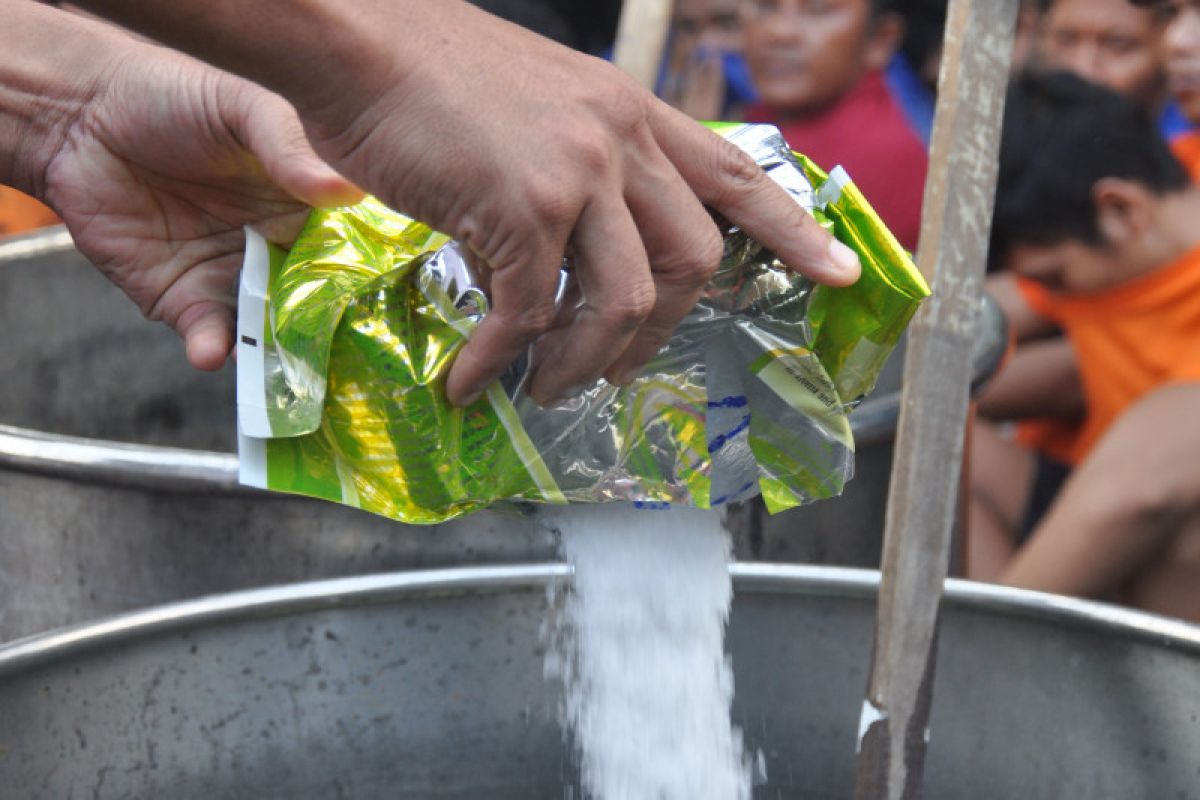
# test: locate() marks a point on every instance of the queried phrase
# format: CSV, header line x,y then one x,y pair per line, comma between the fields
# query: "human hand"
x,y
157,172
525,151
698,87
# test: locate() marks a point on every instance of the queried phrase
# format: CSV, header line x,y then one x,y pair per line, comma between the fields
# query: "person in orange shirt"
x,y
1114,44
20,213
1096,219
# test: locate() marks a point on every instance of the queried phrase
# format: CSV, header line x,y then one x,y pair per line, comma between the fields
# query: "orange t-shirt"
x,y
1186,148
20,212
1055,437
1129,340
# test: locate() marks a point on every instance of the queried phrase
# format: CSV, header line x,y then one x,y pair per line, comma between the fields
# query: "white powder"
x,y
640,651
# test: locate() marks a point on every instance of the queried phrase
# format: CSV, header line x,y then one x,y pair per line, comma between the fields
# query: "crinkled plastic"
x,y
345,344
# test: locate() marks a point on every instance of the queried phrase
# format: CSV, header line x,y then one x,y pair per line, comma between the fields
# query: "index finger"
x,y
729,181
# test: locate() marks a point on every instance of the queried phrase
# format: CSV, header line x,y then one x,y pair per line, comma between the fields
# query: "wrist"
x,y
53,66
322,55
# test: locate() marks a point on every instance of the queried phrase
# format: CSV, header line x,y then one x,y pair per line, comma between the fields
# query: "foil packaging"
x,y
345,341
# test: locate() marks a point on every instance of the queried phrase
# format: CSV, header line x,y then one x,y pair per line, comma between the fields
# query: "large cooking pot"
x,y
429,685
118,481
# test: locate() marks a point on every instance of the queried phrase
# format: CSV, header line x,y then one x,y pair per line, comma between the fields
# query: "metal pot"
x,y
429,684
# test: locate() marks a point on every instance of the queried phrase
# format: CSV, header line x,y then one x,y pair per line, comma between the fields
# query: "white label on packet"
x,y
251,323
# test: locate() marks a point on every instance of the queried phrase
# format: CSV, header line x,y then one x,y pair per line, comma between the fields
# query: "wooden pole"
x,y
955,227
642,38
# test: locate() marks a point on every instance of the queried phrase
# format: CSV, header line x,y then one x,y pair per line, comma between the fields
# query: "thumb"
x,y
273,133
207,331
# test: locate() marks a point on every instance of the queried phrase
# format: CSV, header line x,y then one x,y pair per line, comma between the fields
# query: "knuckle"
x,y
694,264
737,170
632,307
533,320
551,203
620,100
594,153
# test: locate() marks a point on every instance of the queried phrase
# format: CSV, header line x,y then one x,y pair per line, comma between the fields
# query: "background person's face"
x,y
713,24
1181,49
805,54
1070,267
1109,42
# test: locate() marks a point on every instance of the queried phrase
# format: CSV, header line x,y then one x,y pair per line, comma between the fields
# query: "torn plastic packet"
x,y
345,342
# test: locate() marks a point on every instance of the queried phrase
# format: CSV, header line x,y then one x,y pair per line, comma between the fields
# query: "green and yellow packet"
x,y
345,342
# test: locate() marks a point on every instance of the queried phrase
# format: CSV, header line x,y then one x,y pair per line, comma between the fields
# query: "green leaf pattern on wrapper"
x,y
750,396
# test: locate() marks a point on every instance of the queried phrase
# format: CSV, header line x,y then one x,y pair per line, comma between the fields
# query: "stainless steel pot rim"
x,y
283,600
45,242
120,463
180,469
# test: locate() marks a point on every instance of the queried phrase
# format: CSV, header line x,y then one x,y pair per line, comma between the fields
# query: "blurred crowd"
x,y
1082,478
1082,473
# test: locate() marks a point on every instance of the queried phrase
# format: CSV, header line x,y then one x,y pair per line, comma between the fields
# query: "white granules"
x,y
640,650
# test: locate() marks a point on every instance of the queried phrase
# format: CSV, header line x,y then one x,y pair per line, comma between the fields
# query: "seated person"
x,y
1181,51
705,74
1098,220
1114,44
818,68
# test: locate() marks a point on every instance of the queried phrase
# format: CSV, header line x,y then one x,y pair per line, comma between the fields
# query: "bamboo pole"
x,y
642,38
956,224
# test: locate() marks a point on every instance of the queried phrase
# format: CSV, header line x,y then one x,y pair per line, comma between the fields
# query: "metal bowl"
x,y
429,685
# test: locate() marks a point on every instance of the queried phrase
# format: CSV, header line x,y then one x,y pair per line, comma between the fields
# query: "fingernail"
x,y
471,398
624,377
562,398
843,260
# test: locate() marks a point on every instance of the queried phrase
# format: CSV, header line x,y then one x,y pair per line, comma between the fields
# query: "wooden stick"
x,y
642,38
955,227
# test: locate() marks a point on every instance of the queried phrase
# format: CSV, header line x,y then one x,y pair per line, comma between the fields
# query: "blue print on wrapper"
x,y
736,495
652,505
721,440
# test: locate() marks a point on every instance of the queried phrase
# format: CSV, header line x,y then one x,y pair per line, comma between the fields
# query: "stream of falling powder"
x,y
639,646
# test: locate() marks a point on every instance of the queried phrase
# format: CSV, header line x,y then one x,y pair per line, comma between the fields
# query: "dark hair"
x,y
1062,134
924,29
536,15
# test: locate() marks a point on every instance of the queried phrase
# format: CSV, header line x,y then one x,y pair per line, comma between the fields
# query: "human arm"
x,y
1039,379
1024,322
521,148
1120,515
697,86
155,162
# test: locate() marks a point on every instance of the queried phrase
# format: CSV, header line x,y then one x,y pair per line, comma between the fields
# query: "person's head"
x,y
1084,177
1181,50
712,24
1109,42
804,55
